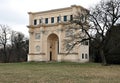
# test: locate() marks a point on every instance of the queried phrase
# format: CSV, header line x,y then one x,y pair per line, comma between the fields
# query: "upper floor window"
x,y
71,17
52,19
40,21
65,18
83,18
46,20
35,22
37,35
58,19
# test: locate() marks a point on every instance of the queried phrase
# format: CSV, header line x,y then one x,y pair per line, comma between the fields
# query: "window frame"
x,y
35,22
86,56
52,19
65,18
82,55
71,17
46,20
40,21
58,19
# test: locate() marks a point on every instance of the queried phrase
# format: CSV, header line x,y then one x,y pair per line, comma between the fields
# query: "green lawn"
x,y
53,72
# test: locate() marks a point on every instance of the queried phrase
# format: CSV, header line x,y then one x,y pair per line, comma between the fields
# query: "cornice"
x,y
50,11
33,26
58,10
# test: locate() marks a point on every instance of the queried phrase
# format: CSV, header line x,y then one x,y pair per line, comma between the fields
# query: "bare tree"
x,y
4,38
105,16
13,45
101,18
19,45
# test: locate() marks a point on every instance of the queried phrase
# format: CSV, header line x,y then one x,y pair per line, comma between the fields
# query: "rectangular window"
x,y
35,22
86,56
40,21
52,19
82,56
71,17
58,19
46,20
65,18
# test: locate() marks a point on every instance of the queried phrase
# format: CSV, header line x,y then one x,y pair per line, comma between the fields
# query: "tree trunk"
x,y
104,62
5,54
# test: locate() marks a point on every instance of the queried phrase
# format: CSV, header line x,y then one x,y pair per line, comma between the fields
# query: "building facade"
x,y
47,31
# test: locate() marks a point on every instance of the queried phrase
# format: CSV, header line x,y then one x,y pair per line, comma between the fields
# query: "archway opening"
x,y
53,47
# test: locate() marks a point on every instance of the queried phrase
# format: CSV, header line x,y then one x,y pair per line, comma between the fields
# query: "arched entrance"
x,y
53,47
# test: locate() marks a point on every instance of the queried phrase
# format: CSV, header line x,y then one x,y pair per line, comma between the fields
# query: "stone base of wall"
x,y
60,57
68,57
36,58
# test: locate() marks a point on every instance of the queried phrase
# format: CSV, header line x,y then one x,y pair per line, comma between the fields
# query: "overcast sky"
x,y
14,12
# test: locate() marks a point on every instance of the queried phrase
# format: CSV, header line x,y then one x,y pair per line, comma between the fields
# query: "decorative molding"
x,y
31,31
33,26
48,25
68,53
61,30
42,31
58,10
36,53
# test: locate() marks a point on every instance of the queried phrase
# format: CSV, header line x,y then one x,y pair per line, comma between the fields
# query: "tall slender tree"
x,y
4,38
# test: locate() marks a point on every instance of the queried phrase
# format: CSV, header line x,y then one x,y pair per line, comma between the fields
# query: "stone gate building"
x,y
47,33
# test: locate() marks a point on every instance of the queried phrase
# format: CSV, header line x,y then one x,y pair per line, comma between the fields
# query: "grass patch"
x,y
54,72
